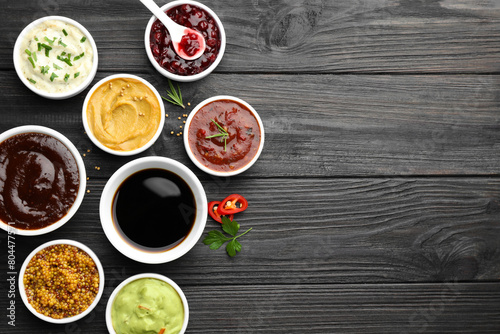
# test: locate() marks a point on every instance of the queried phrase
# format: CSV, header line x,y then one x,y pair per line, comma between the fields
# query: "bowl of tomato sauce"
x,y
224,135
194,15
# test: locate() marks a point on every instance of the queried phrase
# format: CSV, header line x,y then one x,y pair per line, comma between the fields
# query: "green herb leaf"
x,y
32,81
175,96
57,67
61,43
232,247
230,227
223,133
83,39
53,76
64,32
76,74
215,239
66,77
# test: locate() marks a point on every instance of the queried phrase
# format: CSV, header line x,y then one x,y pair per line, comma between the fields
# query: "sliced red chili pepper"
x,y
212,211
232,204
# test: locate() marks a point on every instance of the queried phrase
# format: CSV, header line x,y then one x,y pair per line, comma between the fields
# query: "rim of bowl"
x,y
84,248
96,141
188,147
186,78
165,279
81,171
106,214
63,95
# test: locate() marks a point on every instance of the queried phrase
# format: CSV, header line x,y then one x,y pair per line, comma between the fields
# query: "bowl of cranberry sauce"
x,y
224,136
159,46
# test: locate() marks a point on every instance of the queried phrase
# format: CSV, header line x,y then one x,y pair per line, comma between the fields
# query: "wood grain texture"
x,y
375,204
329,231
329,308
299,36
331,125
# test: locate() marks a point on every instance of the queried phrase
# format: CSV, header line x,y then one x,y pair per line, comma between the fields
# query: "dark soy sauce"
x,y
154,209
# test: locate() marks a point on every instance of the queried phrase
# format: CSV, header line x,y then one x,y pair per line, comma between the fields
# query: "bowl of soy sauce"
x,y
153,210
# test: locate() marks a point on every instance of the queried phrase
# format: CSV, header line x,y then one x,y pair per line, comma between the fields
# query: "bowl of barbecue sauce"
x,y
153,209
42,180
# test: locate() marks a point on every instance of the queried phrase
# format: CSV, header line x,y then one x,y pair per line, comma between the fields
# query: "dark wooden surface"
x,y
375,205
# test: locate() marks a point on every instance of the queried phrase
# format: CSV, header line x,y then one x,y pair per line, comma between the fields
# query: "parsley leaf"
x,y
215,239
230,227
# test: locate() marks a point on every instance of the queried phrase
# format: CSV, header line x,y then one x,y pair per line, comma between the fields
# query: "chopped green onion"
x,y
53,76
56,66
34,55
31,61
83,39
47,49
62,54
32,81
45,69
66,77
64,32
61,43
39,46
50,41
79,56
66,60
77,74
28,52
36,39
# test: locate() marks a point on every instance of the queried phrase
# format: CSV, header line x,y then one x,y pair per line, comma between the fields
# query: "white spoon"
x,y
177,31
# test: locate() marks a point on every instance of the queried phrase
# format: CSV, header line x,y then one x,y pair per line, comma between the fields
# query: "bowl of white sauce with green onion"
x,y
55,57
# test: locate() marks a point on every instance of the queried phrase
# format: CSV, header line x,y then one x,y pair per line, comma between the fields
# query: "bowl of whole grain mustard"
x,y
61,281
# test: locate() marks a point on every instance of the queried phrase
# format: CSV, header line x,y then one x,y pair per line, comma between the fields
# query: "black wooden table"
x,y
375,204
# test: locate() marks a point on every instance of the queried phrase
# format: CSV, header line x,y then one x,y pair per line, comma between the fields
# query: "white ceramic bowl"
x,y
81,168
84,248
202,166
62,95
97,142
111,299
186,78
115,237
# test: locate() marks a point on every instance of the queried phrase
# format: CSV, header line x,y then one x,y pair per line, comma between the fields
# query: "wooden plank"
x,y
329,231
367,36
304,307
329,125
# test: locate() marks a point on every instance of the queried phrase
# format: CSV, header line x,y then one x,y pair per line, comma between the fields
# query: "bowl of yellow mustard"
x,y
123,114
147,303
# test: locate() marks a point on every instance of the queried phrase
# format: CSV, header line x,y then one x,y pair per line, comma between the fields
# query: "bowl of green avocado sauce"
x,y
147,304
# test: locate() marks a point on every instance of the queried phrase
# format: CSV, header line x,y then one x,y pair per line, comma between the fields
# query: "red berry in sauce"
x,y
197,19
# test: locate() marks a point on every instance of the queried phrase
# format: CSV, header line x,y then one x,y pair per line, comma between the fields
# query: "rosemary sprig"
x,y
174,95
223,133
